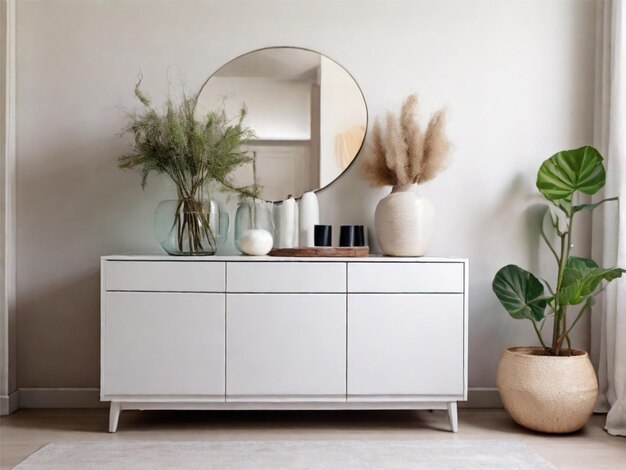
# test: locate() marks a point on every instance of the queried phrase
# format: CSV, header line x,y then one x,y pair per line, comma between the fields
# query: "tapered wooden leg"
x,y
114,415
453,417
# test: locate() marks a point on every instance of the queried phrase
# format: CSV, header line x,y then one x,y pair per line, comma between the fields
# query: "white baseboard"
x,y
9,403
60,398
90,398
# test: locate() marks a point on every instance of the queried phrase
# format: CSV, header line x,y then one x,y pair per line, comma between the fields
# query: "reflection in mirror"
x,y
308,113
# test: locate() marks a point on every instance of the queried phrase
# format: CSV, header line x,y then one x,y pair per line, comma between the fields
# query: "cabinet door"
x,y
163,344
405,344
286,345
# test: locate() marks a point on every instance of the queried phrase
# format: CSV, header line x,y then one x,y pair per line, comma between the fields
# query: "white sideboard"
x,y
236,332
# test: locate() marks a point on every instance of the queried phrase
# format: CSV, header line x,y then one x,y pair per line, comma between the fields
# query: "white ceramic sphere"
x,y
256,242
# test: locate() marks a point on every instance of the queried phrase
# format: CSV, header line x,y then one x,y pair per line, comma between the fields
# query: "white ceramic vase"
x,y
309,217
288,234
404,222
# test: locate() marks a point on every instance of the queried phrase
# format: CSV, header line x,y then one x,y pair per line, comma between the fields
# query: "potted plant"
x,y
194,151
403,156
552,388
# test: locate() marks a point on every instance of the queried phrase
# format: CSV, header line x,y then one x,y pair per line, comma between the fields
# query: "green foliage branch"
x,y
193,152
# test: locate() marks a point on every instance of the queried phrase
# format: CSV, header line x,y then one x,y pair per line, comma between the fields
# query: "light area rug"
x,y
285,454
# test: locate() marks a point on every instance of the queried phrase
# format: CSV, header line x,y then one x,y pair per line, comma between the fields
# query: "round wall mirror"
x,y
308,114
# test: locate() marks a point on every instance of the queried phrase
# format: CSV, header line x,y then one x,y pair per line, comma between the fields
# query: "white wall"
x,y
517,77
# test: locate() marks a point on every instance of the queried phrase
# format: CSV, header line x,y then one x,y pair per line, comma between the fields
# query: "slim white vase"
x,y
404,222
288,236
309,217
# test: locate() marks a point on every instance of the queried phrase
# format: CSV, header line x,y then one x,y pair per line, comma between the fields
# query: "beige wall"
x,y
517,77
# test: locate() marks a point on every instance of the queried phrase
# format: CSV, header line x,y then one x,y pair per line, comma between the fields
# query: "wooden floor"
x,y
27,430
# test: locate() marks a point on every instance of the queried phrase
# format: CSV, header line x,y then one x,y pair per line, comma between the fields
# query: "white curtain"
x,y
608,324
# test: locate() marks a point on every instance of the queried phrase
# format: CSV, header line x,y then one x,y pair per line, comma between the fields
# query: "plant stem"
x,y
586,307
538,334
545,239
193,229
560,312
557,308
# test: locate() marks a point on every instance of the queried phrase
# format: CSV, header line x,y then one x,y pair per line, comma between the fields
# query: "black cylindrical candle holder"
x,y
359,235
323,235
352,235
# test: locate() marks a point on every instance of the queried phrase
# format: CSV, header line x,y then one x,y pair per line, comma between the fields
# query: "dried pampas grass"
x,y
404,154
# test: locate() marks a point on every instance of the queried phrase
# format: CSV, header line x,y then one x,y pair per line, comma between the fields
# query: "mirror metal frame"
x,y
329,58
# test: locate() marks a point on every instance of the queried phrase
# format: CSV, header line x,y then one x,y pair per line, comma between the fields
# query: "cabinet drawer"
x,y
169,276
286,345
405,344
405,277
160,343
286,277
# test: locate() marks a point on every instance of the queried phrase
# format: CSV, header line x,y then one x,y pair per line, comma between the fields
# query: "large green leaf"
x,y
581,207
520,293
571,170
581,277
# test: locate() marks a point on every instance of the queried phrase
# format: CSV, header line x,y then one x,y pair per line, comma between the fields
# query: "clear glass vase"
x,y
188,227
253,215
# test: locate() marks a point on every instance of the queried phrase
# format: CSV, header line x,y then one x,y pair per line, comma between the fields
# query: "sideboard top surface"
x,y
244,258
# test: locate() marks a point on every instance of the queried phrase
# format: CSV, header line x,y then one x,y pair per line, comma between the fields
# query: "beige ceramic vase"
x,y
404,222
553,394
